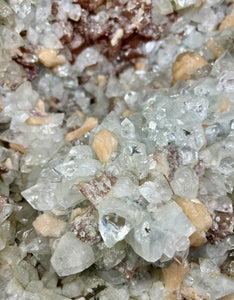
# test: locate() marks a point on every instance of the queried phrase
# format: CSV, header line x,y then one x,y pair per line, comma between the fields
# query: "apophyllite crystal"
x,y
116,150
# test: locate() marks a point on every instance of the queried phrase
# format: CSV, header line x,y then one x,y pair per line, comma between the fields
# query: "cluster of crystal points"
x,y
123,226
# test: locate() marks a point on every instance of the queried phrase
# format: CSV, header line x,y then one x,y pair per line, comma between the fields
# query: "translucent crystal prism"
x,y
185,183
214,286
133,159
184,3
157,291
113,228
164,6
160,232
46,195
73,259
79,163
127,129
116,219
156,191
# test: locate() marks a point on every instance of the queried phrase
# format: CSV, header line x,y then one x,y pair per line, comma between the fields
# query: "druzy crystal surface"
x,y
116,150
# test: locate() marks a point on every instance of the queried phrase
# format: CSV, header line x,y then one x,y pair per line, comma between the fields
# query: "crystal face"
x,y
159,234
71,256
116,149
185,183
156,191
113,228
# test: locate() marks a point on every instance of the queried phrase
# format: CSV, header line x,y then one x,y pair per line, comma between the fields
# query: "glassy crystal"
x,y
73,259
79,163
113,228
215,286
185,183
159,232
116,218
157,191
157,291
117,293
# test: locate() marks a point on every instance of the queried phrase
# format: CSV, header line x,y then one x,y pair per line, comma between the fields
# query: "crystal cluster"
x,y
117,149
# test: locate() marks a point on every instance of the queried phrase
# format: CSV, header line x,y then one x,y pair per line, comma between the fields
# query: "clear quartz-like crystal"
x,y
116,219
79,163
159,232
113,228
71,256
157,291
122,220
156,191
185,183
215,286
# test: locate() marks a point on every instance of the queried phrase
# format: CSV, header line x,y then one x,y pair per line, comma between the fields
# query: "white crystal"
x,y
74,288
156,191
50,40
74,12
208,265
164,6
127,129
46,195
160,232
116,218
113,228
157,291
124,187
188,156
79,163
180,4
71,256
185,183
213,286
90,56
114,293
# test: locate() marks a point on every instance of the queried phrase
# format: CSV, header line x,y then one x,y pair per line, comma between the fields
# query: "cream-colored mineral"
x,y
101,79
228,297
186,64
18,147
173,277
75,213
118,34
190,294
227,22
8,163
48,226
140,65
215,48
127,112
37,121
50,58
105,142
89,124
225,105
40,106
199,216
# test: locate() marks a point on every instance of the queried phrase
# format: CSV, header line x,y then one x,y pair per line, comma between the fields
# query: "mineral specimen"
x,y
116,147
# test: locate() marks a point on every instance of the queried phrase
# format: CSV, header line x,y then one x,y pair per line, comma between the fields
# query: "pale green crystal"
x,y
71,256
159,232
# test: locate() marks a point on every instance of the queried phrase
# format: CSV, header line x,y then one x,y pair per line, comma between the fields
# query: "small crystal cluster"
x,y
117,149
